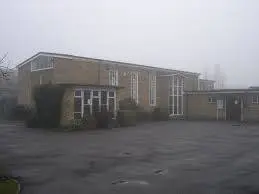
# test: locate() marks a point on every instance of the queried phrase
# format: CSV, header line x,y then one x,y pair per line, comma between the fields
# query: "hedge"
x,y
48,103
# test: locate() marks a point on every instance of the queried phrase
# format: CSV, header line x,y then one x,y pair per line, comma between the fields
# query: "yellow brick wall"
x,y
199,108
67,110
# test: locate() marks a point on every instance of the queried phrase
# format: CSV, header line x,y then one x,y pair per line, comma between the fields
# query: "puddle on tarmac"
x,y
134,182
161,171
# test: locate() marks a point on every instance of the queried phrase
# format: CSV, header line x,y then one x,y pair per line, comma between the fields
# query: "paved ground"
x,y
166,157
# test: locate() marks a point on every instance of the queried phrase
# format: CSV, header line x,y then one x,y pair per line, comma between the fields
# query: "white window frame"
x,y
113,78
49,65
41,79
81,96
172,85
212,100
257,99
152,89
82,102
134,86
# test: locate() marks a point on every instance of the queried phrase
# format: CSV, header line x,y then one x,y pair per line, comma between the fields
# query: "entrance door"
x,y
234,108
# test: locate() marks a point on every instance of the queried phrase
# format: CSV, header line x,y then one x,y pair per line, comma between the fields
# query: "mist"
x,y
190,35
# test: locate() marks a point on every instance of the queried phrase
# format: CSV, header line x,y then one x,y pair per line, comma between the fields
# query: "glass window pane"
x,y
175,100
103,97
111,104
170,109
95,93
175,110
175,80
78,93
175,90
87,96
95,104
77,104
170,100
103,108
154,95
86,110
180,105
171,90
111,94
254,99
180,91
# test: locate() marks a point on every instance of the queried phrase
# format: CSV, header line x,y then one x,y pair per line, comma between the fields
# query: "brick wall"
x,y
67,110
24,84
76,72
199,108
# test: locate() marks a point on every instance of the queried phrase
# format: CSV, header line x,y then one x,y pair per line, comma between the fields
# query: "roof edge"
x,y
101,60
226,91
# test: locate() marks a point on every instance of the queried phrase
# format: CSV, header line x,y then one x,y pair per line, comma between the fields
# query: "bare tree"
x,y
4,67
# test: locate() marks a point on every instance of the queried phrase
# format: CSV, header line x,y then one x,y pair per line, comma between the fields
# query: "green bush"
x,y
126,118
20,112
160,114
90,122
9,186
103,119
82,124
48,102
32,122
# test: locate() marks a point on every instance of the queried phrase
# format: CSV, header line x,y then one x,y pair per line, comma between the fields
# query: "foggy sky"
x,y
180,34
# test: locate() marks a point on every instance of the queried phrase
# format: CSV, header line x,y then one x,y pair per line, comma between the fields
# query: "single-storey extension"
x,y
224,104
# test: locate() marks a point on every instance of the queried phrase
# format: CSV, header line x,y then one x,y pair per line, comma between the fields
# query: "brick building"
x,y
95,84
224,104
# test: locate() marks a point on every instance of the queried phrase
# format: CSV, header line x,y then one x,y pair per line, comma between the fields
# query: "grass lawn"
x,y
9,186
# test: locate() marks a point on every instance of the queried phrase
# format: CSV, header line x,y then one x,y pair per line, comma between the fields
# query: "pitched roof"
x,y
66,56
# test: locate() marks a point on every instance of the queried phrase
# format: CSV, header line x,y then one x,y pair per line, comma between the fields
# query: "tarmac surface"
x,y
164,157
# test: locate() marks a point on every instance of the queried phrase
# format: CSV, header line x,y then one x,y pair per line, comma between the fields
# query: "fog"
x,y
190,35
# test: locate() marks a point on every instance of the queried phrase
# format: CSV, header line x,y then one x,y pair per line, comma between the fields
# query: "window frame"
x,y
176,107
113,77
152,89
92,97
134,86
38,67
211,101
257,99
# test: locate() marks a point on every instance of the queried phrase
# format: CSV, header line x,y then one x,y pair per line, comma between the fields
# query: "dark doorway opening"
x,y
233,108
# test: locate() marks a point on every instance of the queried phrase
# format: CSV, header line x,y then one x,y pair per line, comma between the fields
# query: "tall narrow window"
x,y
176,95
152,90
134,86
78,104
255,99
113,77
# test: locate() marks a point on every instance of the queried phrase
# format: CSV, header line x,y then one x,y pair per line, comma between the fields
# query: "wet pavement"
x,y
166,157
